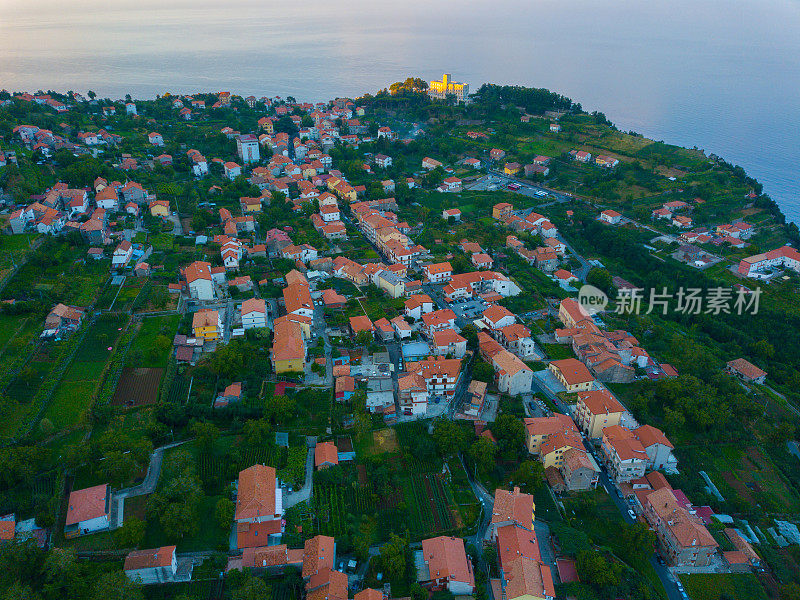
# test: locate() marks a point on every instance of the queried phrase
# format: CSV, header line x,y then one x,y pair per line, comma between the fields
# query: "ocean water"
x,y
722,75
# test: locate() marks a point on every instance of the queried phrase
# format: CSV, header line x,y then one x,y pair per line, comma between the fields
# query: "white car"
x,y
631,514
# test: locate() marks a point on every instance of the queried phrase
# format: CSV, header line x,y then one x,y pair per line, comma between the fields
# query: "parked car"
x,y
631,514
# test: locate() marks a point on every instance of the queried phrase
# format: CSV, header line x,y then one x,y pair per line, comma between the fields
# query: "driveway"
x,y
304,493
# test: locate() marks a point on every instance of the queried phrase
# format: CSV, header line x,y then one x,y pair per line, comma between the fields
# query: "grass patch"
x,y
719,586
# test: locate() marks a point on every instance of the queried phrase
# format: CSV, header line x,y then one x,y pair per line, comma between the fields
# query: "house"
x,y
523,573
207,324
441,375
497,316
288,346
401,327
155,139
88,511
360,323
555,128
159,208
64,317
390,283
539,429
572,374
512,168
501,210
511,508
595,410
344,388
157,565
564,278
658,448
512,376
232,170
578,472
384,329
682,222
199,280
481,260
247,148
231,394
250,205
429,163
442,564
451,184
254,313
682,539
383,161
417,305
448,342
259,499
438,320
122,255
623,454
453,213
611,217
784,257
438,272
582,156
472,162
380,395
746,371
325,455
497,154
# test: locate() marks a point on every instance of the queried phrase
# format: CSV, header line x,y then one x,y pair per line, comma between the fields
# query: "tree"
x,y
253,589
223,512
177,503
594,568
393,556
364,337
528,476
510,434
206,434
599,278
483,452
482,371
131,534
116,586
450,438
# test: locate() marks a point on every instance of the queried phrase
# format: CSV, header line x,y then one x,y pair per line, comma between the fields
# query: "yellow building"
x,y
159,208
288,347
391,284
207,325
552,450
572,374
538,429
440,90
512,168
597,410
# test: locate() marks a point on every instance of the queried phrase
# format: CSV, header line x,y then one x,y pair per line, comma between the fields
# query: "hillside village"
x,y
259,348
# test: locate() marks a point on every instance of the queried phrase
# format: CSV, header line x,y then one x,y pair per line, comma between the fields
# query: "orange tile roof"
x,y
88,503
256,495
318,555
253,535
514,506
447,559
326,452
360,323
146,559
601,402
573,370
649,435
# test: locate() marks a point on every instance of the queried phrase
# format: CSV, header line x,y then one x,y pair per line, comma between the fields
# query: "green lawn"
x,y
144,345
721,586
558,351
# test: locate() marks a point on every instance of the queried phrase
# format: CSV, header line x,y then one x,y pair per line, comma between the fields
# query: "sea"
x,y
720,75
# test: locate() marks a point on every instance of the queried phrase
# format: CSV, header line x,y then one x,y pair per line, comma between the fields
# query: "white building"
x,y
254,313
88,511
247,147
